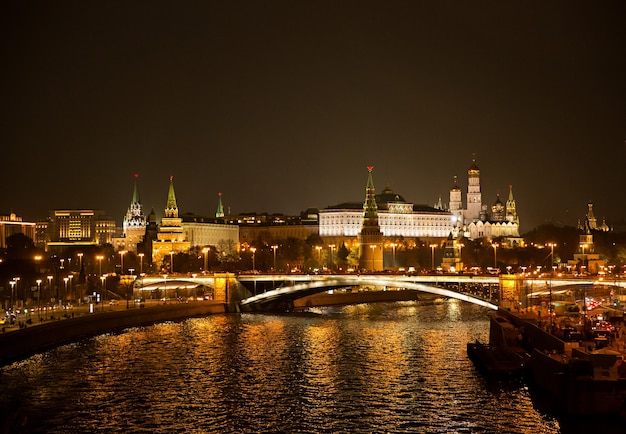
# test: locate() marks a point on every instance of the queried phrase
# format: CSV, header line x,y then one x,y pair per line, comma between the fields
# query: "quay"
x,y
20,342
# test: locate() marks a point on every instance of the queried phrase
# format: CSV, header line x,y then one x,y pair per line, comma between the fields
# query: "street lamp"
x,y
80,260
50,290
141,255
100,258
319,254
393,254
12,283
253,250
39,297
165,289
65,279
104,282
71,276
551,245
495,255
274,247
373,247
172,262
122,253
331,247
432,256
206,251
17,287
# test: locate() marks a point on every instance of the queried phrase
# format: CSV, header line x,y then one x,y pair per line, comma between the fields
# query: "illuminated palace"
x,y
381,218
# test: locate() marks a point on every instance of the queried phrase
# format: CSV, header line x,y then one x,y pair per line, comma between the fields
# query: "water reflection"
x,y
398,367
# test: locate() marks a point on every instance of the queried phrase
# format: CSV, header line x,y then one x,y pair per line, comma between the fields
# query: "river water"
x,y
379,368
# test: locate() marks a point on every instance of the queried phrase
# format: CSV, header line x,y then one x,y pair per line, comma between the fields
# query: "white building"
x,y
476,220
396,218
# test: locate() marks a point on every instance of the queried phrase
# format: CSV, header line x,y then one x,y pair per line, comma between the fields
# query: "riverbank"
x,y
17,344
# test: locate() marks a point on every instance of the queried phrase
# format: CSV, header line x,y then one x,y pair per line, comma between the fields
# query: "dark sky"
x,y
282,105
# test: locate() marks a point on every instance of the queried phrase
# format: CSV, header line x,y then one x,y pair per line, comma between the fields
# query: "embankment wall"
x,y
18,344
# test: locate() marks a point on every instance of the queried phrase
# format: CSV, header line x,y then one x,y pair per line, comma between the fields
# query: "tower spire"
x,y
136,190
220,209
370,207
370,237
171,209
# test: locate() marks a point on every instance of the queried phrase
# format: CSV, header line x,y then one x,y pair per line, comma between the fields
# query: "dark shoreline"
x,y
18,344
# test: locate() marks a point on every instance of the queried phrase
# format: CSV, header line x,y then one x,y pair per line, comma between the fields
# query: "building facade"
x,y
75,227
12,224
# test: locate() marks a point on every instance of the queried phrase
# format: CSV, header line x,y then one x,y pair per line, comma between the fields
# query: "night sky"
x,y
282,105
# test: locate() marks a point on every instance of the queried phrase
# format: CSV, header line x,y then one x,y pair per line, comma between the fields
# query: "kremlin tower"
x,y
370,238
134,221
170,238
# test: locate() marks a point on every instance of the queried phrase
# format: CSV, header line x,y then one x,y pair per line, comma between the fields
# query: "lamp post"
x,y
319,254
206,251
103,279
71,276
80,260
50,291
331,247
100,258
65,279
141,255
17,287
122,253
274,247
12,283
165,289
172,261
373,247
39,297
432,256
495,255
128,288
393,254
253,250
551,245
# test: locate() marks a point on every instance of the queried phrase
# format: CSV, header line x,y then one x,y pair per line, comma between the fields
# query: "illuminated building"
x,y
67,228
134,225
11,225
170,236
216,232
477,220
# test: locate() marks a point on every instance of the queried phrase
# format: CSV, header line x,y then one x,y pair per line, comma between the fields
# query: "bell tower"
x,y
474,198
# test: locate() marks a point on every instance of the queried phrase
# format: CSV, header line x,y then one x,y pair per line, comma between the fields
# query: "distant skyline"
x,y
282,105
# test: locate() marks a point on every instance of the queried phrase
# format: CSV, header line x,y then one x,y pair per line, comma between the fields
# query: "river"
x,y
379,368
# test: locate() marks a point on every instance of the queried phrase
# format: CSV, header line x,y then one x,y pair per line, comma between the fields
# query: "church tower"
x,y
370,237
511,210
456,205
134,221
474,199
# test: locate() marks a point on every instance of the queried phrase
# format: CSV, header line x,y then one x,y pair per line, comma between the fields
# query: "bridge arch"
x,y
283,297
